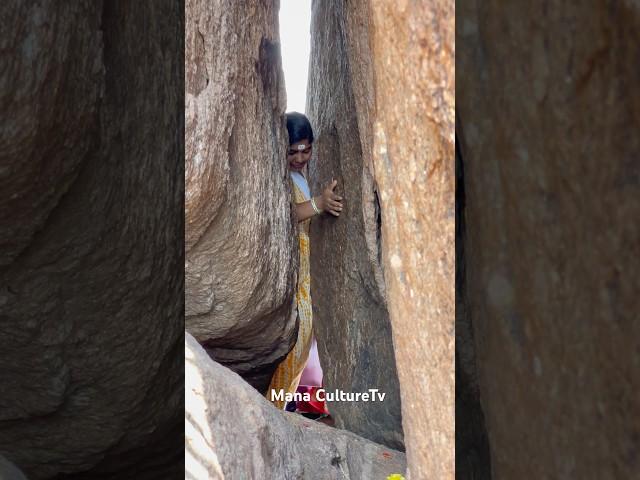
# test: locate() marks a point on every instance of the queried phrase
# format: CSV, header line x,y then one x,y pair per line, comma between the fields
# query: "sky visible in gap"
x,y
295,44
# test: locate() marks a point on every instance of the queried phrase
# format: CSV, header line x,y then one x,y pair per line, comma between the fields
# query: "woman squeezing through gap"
x,y
287,376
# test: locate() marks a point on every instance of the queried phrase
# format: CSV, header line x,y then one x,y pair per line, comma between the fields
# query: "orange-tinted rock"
x,y
382,98
413,58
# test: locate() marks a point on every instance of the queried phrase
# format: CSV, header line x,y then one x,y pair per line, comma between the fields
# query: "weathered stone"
x,y
381,95
240,237
51,101
231,431
91,231
413,45
351,320
548,122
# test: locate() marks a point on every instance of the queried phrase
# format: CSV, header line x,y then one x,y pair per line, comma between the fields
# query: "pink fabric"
x,y
312,373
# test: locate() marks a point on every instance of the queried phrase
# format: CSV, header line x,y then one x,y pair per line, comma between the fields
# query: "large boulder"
x,y
231,431
52,90
351,320
381,95
413,58
549,146
241,253
91,232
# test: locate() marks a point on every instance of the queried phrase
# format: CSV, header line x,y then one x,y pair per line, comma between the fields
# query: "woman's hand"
x,y
329,201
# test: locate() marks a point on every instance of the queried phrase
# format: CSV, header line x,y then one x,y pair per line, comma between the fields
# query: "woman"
x,y
287,374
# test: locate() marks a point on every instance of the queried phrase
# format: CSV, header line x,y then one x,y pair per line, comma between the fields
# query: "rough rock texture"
x,y
240,243
351,320
231,431
413,47
51,96
552,178
91,188
389,108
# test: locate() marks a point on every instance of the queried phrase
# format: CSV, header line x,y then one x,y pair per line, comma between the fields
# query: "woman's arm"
x,y
328,201
304,210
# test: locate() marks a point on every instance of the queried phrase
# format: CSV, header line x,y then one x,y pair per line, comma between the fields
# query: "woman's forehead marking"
x,y
299,146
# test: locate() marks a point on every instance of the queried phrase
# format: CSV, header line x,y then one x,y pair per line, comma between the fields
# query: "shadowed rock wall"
x,y
551,179
473,458
381,95
91,235
351,319
240,238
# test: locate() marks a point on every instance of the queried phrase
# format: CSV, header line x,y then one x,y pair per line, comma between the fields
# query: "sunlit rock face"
x,y
381,98
549,148
91,238
240,235
413,47
231,431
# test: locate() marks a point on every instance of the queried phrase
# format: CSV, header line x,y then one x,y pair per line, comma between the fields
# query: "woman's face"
x,y
299,154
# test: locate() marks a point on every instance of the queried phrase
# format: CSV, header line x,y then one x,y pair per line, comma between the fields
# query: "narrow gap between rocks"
x,y
295,25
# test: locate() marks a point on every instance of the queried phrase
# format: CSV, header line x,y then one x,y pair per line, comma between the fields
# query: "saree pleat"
x,y
288,373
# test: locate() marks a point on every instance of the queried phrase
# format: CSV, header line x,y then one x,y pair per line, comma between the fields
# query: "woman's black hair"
x,y
299,128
